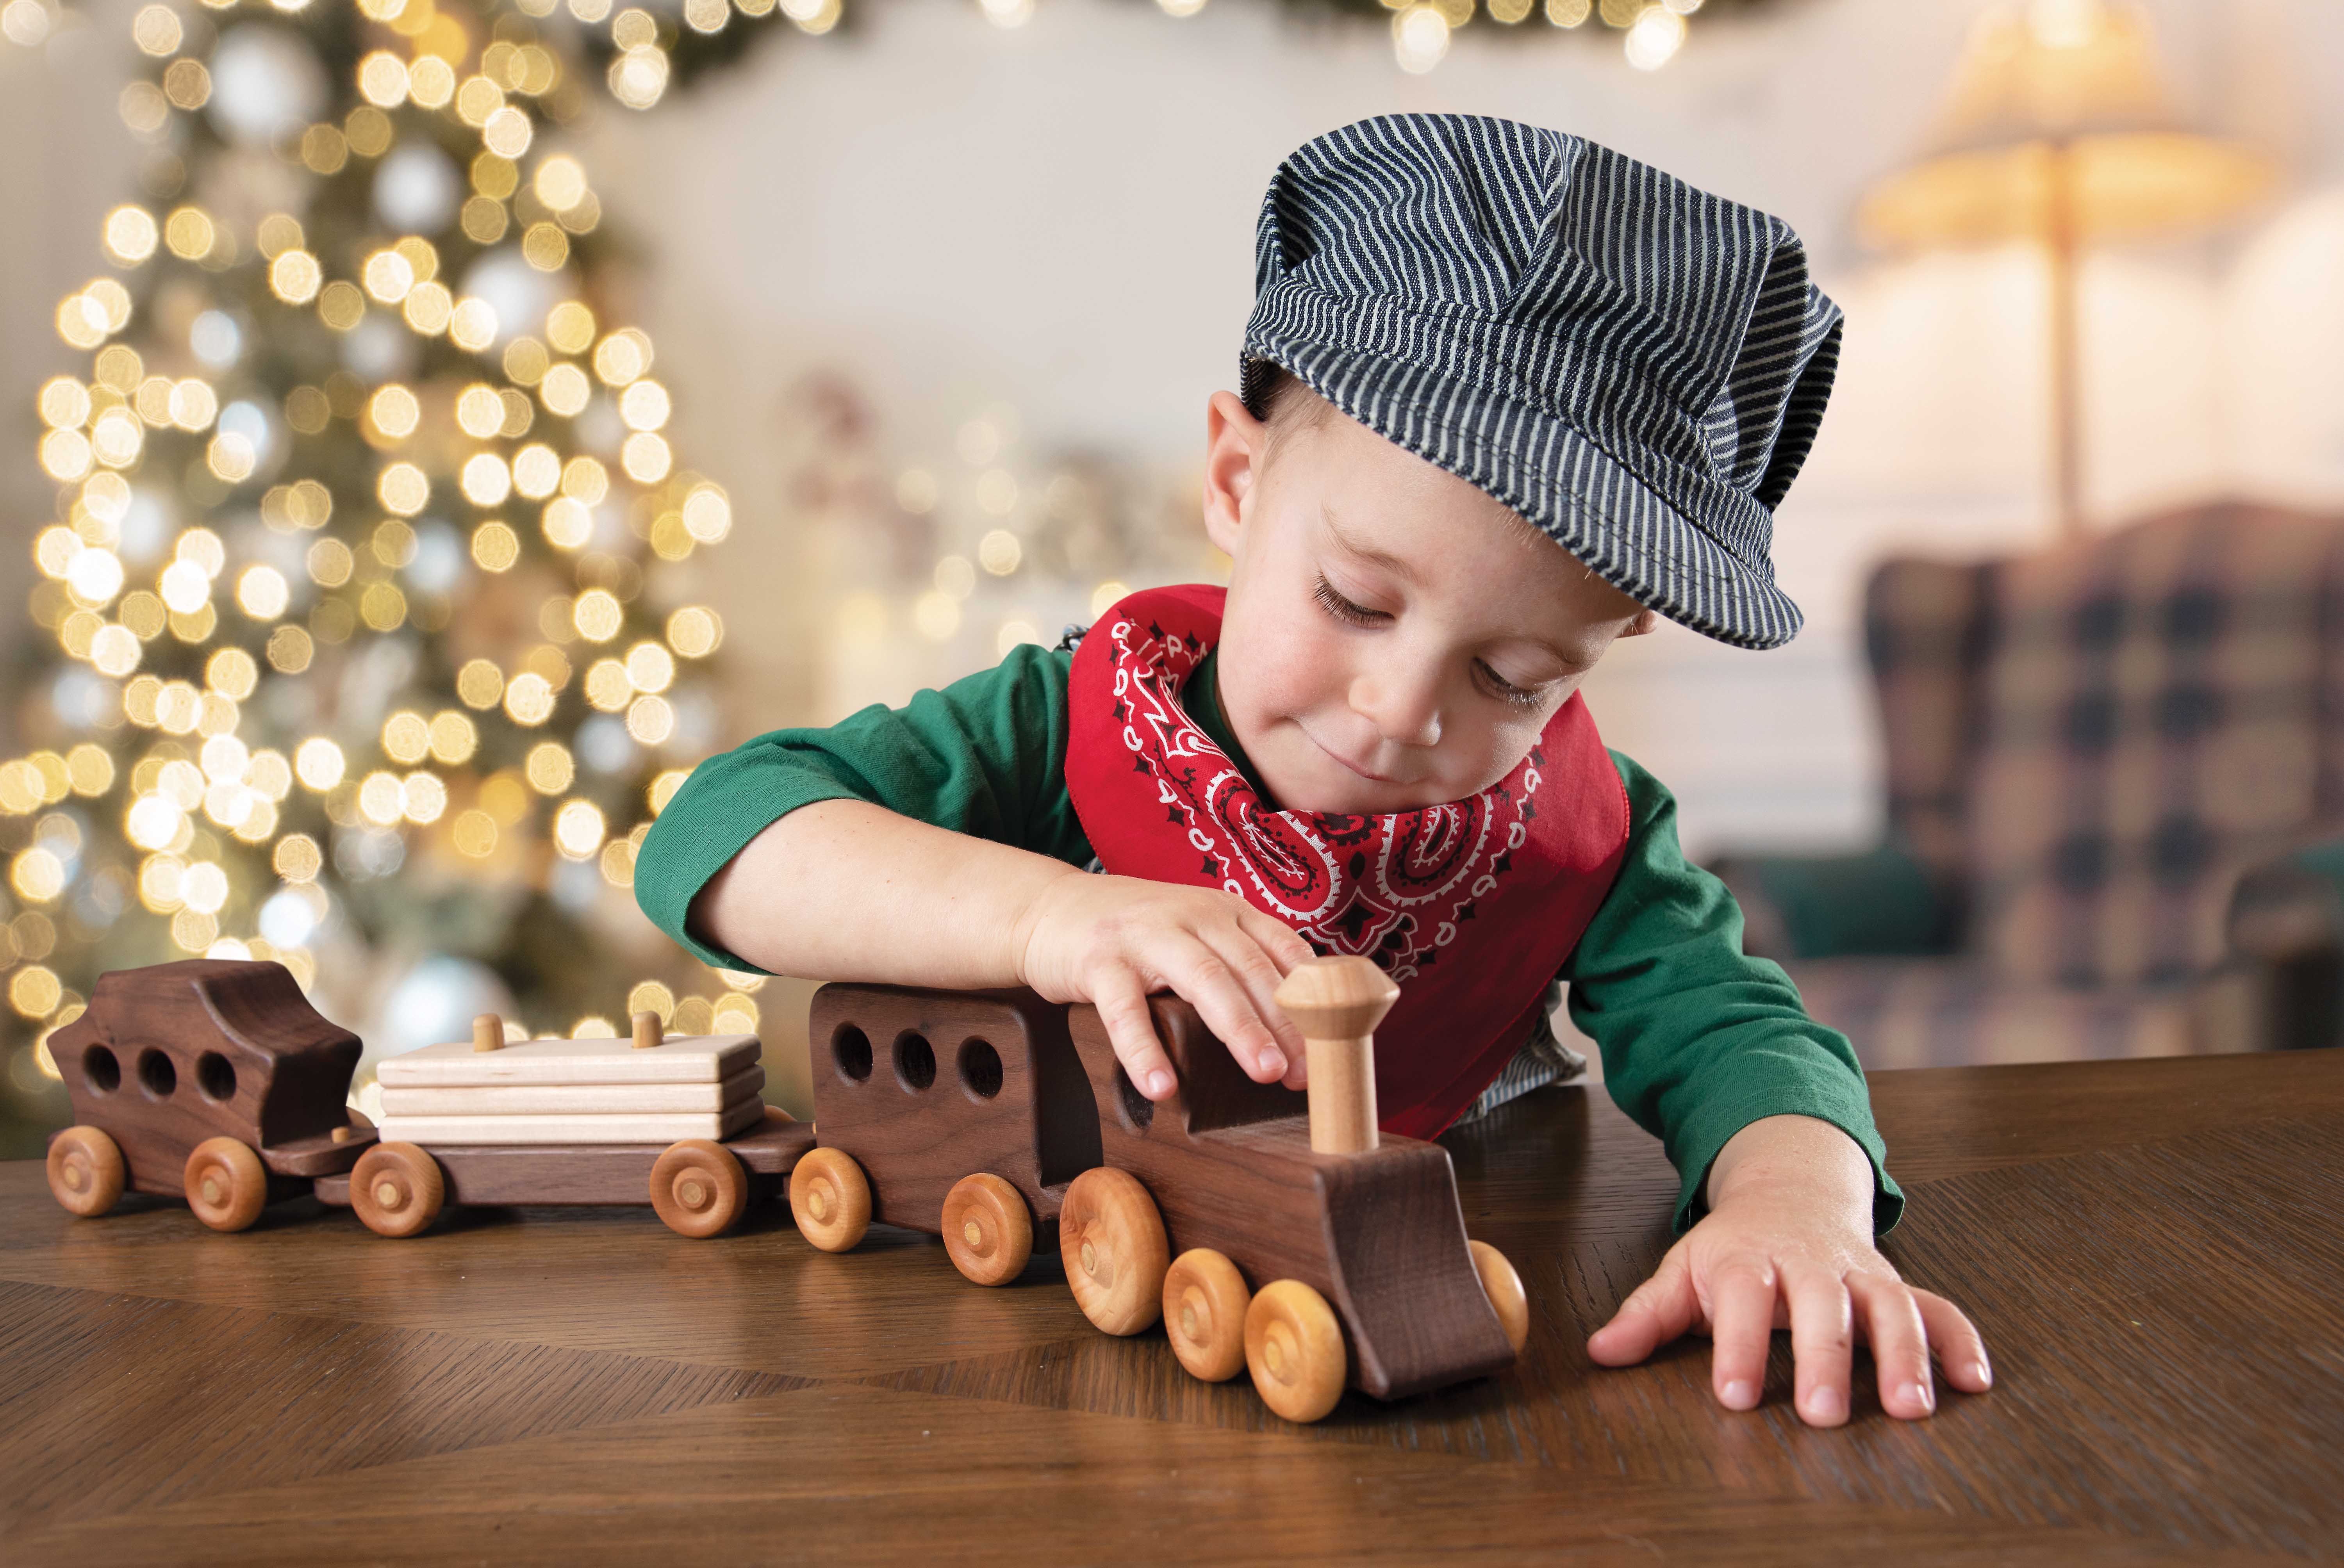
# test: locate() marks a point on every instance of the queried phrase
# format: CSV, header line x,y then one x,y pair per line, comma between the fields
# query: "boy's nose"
x,y
1406,711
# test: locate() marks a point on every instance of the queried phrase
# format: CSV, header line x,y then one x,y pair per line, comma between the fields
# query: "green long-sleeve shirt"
x,y
1698,1040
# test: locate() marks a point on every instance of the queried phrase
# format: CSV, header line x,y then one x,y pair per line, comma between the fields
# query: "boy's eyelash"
x,y
1507,691
1343,609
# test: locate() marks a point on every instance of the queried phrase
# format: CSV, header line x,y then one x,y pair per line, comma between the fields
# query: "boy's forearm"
x,y
845,889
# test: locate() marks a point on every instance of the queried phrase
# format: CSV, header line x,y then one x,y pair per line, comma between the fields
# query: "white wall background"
x,y
1059,220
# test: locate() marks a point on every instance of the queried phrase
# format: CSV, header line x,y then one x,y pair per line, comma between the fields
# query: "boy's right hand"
x,y
1109,940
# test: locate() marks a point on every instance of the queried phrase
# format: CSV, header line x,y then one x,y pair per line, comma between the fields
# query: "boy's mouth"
x,y
1347,762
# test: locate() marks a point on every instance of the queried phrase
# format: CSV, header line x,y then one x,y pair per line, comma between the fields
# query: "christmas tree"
x,y
367,642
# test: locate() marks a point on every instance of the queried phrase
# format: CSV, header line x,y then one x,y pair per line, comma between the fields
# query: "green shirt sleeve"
x,y
1698,1038
984,756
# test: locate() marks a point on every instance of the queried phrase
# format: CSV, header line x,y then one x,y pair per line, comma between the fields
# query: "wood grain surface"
x,y
2152,1249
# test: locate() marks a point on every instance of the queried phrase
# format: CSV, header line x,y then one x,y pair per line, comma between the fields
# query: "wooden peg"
x,y
343,1134
647,1030
1337,1003
488,1032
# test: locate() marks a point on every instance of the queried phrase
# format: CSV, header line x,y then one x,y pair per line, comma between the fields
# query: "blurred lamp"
x,y
2058,129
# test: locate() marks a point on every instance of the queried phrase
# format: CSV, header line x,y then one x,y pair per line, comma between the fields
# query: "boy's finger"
x,y
1656,1311
1823,1337
1279,941
1961,1349
1900,1345
1740,1329
1122,1003
1259,976
1197,973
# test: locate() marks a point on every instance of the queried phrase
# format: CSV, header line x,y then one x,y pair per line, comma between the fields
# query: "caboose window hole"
x,y
215,1076
850,1048
980,1069
916,1062
1138,1110
100,1070
156,1072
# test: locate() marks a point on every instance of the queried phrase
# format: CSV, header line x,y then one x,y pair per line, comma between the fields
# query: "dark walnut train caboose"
x,y
1269,1231
209,1080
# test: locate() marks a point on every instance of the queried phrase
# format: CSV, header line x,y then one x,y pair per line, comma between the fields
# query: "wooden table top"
x,y
2152,1249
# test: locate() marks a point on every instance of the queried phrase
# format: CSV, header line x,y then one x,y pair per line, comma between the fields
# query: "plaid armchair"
x,y
2116,804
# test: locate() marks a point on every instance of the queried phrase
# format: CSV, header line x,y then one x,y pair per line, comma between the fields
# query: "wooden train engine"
x,y
1269,1230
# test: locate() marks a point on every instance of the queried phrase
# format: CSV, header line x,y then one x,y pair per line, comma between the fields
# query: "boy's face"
x,y
1394,638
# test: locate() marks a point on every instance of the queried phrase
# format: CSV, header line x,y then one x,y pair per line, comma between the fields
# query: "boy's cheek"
x,y
1290,672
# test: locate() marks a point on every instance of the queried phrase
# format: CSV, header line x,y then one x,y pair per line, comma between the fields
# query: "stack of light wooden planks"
x,y
574,1091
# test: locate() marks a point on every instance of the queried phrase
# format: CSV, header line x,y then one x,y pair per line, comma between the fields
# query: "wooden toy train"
x,y
1269,1231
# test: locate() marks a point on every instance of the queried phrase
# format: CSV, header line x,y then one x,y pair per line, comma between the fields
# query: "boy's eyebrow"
x,y
1365,552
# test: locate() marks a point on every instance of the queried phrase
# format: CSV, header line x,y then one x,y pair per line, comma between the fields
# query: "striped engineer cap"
x,y
1635,366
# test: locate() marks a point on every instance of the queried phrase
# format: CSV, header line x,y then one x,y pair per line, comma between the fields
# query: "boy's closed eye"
x,y
1335,603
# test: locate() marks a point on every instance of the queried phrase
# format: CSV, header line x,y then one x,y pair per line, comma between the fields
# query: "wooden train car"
x,y
209,1078
536,1122
1270,1230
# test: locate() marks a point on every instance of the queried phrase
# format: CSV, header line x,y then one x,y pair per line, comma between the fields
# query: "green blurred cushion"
x,y
1880,901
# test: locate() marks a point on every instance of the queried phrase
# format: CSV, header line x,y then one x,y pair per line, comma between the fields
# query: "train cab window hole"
x,y
156,1072
100,1070
1138,1110
916,1062
850,1048
980,1069
215,1076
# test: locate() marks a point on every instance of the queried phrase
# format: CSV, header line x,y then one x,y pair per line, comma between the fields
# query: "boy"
x,y
1508,396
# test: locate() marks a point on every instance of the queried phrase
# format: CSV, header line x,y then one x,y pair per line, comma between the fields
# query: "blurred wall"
x,y
1056,224
1059,219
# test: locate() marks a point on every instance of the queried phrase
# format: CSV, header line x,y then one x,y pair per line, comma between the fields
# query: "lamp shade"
x,y
2123,186
2054,88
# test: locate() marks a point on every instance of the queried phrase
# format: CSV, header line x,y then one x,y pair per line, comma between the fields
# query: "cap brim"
x,y
1565,485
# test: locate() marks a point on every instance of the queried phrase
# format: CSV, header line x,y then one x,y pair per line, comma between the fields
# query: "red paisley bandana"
x,y
1471,906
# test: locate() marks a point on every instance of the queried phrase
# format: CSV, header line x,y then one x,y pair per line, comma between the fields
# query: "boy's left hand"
x,y
1787,1244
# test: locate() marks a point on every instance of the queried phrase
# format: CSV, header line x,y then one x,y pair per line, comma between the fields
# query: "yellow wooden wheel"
x,y
1294,1347
396,1188
86,1171
1204,1302
830,1197
227,1185
1112,1240
1505,1292
987,1230
698,1187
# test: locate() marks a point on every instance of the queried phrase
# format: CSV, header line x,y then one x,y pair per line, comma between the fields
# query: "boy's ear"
x,y
1235,444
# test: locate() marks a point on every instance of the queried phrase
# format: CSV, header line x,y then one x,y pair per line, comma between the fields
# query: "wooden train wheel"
x,y
1294,1347
396,1188
1112,1240
1504,1288
1204,1302
86,1171
988,1230
698,1187
227,1185
830,1197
